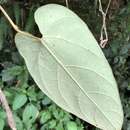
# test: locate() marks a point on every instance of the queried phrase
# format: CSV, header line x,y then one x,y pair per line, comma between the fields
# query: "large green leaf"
x,y
69,66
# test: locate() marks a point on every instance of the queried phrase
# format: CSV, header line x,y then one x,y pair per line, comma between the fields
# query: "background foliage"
x,y
31,108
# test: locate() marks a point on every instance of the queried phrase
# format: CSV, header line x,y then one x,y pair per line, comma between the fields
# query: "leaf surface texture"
x,y
69,67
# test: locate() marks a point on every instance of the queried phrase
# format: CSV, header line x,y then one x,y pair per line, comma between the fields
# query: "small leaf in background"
x,y
2,114
30,114
10,94
6,76
31,93
72,126
60,126
46,101
19,123
19,101
55,112
40,95
79,124
45,116
23,77
67,117
44,127
9,73
52,124
2,124
15,70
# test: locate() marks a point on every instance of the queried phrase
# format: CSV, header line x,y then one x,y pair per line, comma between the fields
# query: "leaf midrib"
x,y
60,63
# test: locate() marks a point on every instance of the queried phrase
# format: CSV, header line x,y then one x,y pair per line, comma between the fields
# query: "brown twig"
x,y
16,28
9,19
4,102
67,3
104,41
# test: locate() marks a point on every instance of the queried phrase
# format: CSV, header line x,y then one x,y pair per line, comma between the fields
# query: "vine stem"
x,y
67,3
104,41
5,104
15,27
10,20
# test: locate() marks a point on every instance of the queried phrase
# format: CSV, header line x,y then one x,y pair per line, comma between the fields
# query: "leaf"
x,y
2,114
19,123
46,101
52,124
45,116
30,114
9,73
2,124
6,76
69,66
32,94
60,126
19,101
71,126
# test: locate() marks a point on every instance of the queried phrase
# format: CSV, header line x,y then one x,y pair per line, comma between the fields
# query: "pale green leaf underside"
x,y
69,67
